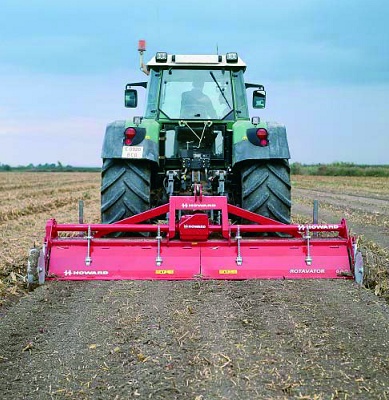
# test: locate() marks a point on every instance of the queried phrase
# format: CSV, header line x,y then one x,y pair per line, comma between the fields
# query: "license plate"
x,y
132,152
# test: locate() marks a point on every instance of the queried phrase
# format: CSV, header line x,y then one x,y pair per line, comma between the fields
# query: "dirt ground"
x,y
196,340
312,339
365,215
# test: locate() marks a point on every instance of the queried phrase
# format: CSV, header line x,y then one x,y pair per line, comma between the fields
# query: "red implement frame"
x,y
189,247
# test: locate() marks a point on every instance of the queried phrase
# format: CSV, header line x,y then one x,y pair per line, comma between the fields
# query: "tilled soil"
x,y
311,339
196,340
366,215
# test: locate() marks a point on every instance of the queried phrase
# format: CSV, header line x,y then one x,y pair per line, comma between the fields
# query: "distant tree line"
x,y
333,169
59,167
340,169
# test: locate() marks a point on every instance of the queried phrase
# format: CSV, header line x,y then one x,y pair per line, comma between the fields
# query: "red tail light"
x,y
262,136
129,135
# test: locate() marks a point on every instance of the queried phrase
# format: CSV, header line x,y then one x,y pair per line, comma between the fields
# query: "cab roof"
x,y
195,60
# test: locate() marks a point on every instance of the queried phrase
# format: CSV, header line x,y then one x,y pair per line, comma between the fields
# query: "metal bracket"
x,y
359,272
198,191
80,211
238,237
170,184
315,215
307,237
158,259
208,124
88,258
42,265
220,189
81,215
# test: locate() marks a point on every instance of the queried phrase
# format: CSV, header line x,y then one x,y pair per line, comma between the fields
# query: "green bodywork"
x,y
224,83
152,127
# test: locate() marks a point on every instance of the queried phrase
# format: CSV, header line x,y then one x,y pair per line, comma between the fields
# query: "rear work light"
x,y
232,57
129,135
262,135
161,56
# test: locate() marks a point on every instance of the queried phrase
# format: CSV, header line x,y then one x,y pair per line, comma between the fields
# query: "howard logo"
x,y
318,227
198,205
69,272
186,226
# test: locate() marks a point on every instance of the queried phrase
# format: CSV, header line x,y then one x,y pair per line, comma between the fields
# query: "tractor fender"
x,y
113,143
277,147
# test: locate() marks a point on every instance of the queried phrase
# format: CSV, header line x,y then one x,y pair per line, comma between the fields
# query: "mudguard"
x,y
113,144
277,149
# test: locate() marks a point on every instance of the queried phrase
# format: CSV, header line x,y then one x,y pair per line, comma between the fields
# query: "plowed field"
x,y
192,340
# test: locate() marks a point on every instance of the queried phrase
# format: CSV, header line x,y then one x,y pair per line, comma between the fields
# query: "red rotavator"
x,y
189,245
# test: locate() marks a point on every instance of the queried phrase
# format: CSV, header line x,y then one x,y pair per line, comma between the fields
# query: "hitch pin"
x,y
238,238
158,260
307,237
88,258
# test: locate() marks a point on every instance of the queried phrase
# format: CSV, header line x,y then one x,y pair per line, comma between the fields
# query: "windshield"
x,y
196,94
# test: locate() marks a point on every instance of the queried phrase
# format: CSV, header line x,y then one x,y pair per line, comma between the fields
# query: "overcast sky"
x,y
64,65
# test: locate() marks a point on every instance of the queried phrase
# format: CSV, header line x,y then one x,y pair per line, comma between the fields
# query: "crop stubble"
x,y
184,340
28,199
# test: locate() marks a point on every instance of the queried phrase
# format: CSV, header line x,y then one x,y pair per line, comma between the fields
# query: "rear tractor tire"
x,y
266,189
125,189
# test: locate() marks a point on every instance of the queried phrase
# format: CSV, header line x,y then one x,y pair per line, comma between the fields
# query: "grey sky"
x,y
64,64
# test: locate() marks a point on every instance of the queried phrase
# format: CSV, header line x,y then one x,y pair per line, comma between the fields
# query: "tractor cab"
x,y
196,87
195,99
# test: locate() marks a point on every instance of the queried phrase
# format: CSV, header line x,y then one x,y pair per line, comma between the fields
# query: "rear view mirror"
x,y
259,99
130,98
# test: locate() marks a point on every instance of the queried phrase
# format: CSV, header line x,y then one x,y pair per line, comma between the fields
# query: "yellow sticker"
x,y
228,271
164,271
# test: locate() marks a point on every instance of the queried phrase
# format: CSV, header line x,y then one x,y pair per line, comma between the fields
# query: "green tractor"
x,y
196,134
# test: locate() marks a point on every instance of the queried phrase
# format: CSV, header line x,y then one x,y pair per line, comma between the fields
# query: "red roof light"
x,y
142,45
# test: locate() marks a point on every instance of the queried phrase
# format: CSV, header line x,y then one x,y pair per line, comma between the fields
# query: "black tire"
x,y
266,189
125,189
